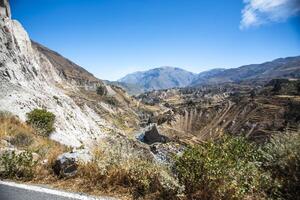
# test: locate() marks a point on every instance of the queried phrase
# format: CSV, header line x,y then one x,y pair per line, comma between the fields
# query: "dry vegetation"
x,y
30,151
112,171
24,137
227,168
119,169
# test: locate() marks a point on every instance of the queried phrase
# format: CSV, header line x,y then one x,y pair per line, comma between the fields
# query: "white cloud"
x,y
258,12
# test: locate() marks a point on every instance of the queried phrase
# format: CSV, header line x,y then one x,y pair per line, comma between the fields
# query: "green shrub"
x,y
101,90
224,169
17,165
42,121
282,159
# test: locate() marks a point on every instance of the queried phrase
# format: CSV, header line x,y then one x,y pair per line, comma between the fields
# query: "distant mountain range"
x,y
158,78
279,68
171,77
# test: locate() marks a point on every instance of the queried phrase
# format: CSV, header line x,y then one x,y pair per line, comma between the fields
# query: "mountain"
x,y
33,76
280,68
169,77
159,78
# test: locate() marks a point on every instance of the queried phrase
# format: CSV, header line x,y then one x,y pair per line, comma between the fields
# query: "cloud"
x,y
258,12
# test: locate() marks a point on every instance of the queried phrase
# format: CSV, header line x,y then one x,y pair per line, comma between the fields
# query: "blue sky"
x,y
112,38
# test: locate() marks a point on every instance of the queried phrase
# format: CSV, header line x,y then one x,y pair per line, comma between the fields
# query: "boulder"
x,y
151,135
65,165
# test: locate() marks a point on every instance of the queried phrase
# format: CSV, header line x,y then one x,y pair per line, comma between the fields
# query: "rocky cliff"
x,y
32,76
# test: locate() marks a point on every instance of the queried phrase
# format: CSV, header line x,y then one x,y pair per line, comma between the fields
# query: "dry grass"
x,y
11,126
117,169
24,137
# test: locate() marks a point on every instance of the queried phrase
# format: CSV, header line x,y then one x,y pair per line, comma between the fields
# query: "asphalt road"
x,y
13,191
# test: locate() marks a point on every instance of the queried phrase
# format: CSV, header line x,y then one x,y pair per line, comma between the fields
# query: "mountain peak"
x,y
159,78
169,67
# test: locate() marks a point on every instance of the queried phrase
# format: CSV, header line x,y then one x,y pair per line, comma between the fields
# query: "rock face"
x,y
28,80
32,76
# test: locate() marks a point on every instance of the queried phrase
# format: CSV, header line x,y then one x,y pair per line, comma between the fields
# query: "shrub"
x,y
22,136
224,169
17,165
42,121
101,90
282,159
22,139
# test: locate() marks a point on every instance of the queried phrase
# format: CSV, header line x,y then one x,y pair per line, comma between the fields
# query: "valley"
x,y
252,111
161,134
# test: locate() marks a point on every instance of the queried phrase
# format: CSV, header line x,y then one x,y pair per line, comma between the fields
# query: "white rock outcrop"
x,y
28,81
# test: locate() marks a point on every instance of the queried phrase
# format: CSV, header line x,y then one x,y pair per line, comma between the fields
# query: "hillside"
x,y
33,76
159,78
66,68
200,113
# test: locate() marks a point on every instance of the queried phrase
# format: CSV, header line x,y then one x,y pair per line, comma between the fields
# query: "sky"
x,y
111,38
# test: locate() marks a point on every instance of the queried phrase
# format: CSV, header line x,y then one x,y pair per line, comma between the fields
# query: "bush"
x,y
42,121
282,159
22,139
224,169
101,90
17,165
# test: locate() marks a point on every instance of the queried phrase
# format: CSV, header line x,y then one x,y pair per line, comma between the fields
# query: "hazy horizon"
x,y
112,38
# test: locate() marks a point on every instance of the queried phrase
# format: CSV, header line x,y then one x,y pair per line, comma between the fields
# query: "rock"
x,y
65,165
151,135
165,153
5,9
